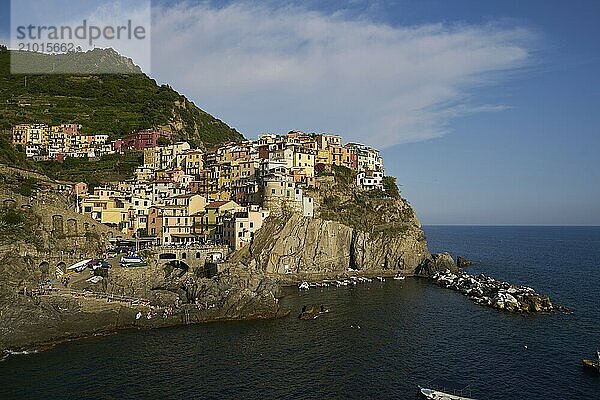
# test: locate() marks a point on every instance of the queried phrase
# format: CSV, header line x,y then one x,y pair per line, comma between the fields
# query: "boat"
x,y
399,278
592,364
133,261
430,394
80,266
304,286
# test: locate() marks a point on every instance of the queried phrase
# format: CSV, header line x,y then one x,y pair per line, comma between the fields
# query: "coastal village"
x,y
183,195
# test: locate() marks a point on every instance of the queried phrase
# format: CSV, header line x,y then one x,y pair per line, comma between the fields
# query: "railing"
x,y
89,294
190,247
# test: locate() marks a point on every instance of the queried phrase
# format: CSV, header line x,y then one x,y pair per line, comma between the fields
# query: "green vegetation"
x,y
27,187
20,225
390,187
111,104
343,176
372,210
108,168
9,155
163,141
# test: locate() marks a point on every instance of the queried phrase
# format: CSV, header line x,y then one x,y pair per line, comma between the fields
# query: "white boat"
x,y
399,278
304,286
431,394
132,261
80,266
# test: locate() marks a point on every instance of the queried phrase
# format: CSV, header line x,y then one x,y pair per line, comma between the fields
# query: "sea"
x,y
379,340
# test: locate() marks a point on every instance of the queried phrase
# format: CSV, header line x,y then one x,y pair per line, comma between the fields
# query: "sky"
x,y
485,111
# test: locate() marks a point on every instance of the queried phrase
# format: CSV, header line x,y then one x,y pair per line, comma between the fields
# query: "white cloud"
x,y
275,69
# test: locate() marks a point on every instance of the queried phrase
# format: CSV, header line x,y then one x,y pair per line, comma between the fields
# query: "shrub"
x,y
27,187
390,187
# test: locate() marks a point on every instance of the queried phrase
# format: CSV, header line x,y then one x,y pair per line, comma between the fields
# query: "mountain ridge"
x,y
113,104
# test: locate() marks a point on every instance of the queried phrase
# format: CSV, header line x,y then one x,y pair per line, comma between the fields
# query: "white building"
x,y
370,180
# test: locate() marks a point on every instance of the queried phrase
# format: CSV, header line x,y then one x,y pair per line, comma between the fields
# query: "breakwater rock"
x,y
490,292
312,311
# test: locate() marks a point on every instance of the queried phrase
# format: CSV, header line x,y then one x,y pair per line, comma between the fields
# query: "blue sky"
x,y
485,111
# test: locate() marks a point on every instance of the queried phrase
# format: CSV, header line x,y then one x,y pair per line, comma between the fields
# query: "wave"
x,y
8,353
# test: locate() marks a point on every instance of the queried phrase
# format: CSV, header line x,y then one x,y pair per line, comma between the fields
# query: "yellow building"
x,y
303,168
20,134
194,162
107,210
210,222
38,135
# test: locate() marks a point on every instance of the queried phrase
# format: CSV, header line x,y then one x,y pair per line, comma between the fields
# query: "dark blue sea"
x,y
380,340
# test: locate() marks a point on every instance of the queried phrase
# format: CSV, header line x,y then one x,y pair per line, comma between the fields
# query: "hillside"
x,y
114,104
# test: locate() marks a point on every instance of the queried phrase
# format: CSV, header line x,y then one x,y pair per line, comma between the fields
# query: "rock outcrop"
x,y
369,232
162,298
436,263
462,262
500,295
312,311
302,245
314,246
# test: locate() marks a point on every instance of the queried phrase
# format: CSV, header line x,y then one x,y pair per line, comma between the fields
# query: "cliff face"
x,y
389,250
367,231
302,245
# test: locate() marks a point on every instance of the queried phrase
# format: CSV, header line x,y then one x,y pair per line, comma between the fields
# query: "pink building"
x,y
80,188
140,140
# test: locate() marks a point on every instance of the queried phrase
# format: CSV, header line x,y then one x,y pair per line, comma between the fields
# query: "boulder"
x,y
462,262
441,262
311,311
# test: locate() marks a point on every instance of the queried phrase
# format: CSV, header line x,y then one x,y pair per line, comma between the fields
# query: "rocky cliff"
x,y
372,232
139,298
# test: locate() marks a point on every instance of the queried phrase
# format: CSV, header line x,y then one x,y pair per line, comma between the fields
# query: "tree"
x,y
163,141
390,187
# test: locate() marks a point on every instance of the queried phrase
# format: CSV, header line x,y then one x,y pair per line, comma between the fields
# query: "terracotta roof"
x,y
217,204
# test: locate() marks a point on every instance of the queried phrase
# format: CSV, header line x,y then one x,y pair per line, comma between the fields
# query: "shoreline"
x,y
116,317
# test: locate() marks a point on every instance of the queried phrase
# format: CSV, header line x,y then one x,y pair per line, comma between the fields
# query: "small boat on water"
x,y
399,278
430,394
592,364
